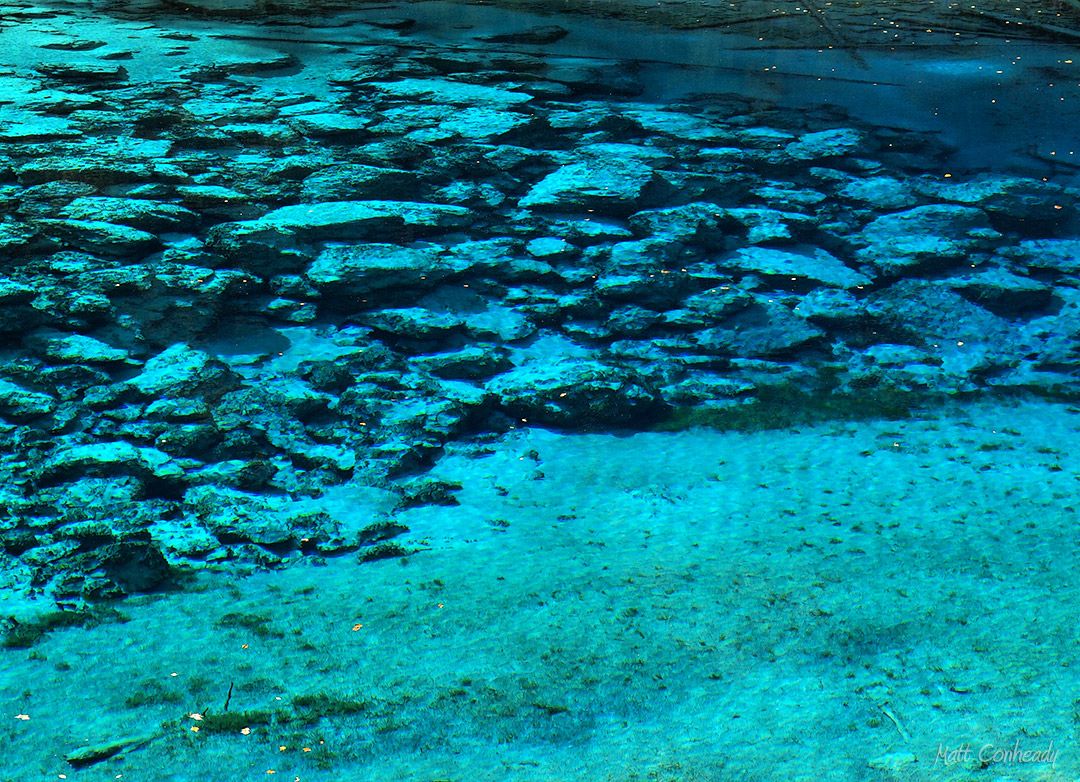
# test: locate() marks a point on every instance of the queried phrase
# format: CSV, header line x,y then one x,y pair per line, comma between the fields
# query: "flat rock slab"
x,y
935,234
95,171
151,216
77,349
109,458
1061,255
535,36
931,314
35,129
606,185
96,236
180,371
448,91
22,403
327,125
363,268
355,180
816,265
1001,291
574,392
824,144
243,64
347,220
84,72
763,329
480,124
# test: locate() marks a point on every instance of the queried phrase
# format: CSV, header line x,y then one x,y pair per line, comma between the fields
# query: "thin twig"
x,y
903,733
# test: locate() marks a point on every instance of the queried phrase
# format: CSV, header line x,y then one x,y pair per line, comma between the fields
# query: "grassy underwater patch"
x,y
257,624
315,706
786,409
236,721
150,693
23,635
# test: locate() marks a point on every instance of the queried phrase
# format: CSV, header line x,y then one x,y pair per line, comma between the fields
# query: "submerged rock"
x,y
763,329
96,171
181,371
19,404
661,289
106,238
537,36
824,144
882,192
930,314
722,228
144,215
448,91
575,393
831,307
77,349
470,363
605,185
932,236
338,220
412,322
235,63
480,123
1001,291
1013,203
109,459
358,269
352,180
812,264
905,369
334,126
84,72
1058,255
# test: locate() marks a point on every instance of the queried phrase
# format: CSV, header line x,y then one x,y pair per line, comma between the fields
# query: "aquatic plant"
x,y
23,635
314,706
780,411
258,624
151,692
235,721
384,551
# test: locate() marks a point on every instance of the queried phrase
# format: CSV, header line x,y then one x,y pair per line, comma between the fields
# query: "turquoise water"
x,y
435,391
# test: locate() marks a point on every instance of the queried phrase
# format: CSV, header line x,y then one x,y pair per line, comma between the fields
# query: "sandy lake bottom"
x,y
840,601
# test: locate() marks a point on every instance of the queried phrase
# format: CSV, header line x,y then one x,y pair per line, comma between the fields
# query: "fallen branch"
x,y
95,753
888,713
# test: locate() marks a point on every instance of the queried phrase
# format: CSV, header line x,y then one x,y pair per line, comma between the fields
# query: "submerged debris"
x,y
95,753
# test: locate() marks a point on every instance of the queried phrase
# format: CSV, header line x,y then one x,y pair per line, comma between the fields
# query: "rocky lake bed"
x,y
258,277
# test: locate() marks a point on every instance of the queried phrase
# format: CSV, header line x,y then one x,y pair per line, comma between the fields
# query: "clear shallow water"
x,y
1003,104
620,411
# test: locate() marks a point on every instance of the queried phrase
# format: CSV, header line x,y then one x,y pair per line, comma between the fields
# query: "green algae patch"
x,y
235,721
152,693
95,753
780,410
257,624
26,634
313,707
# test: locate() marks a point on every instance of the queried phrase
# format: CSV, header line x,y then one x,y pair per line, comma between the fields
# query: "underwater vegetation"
x,y
23,635
257,624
